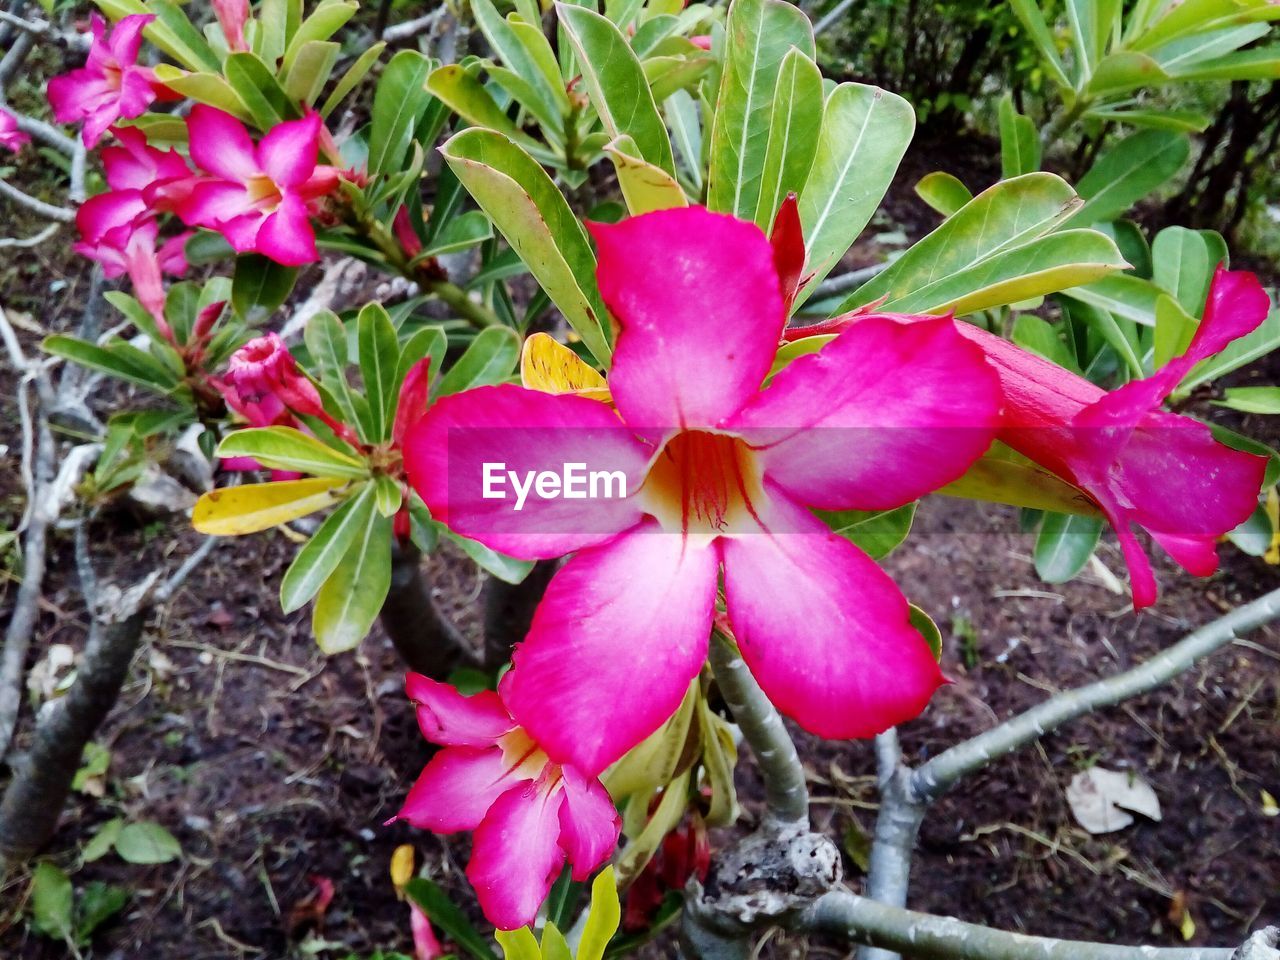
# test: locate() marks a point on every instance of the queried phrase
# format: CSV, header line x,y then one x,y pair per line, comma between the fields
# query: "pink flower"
x,y
426,946
119,230
529,814
720,475
10,136
264,385
1138,463
162,175
110,85
232,15
257,197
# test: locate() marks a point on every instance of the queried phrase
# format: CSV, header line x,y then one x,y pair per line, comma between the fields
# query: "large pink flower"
x,y
1140,464
720,475
529,814
257,197
118,229
110,85
10,136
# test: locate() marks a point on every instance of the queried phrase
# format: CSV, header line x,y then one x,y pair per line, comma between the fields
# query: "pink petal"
x,y
885,413
1197,555
589,823
415,394
144,274
105,212
212,203
620,633
126,38
99,120
787,241
173,256
525,430
137,92
516,857
286,235
67,92
220,144
447,717
456,789
823,628
700,309
288,152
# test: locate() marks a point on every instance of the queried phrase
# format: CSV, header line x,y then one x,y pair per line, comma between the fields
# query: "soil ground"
x,y
274,766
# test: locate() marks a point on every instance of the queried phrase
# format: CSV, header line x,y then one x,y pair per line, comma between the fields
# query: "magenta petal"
x,y
447,717
525,430
220,144
212,203
126,37
589,823
456,789
700,306
67,94
1197,555
516,855
621,631
885,413
823,628
286,235
288,152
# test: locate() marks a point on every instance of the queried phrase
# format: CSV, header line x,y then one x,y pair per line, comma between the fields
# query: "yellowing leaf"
x,y
645,187
402,865
550,367
603,918
252,507
1002,476
1269,806
1188,926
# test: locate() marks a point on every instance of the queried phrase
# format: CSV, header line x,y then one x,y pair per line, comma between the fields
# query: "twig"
x,y
8,243
928,937
411,28
46,210
786,793
849,281
164,593
937,775
835,14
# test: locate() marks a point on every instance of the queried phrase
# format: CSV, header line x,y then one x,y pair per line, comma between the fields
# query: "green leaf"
x,y
507,569
794,128
399,102
1028,11
865,132
355,73
260,286
644,186
436,904
616,84
1019,141
284,448
51,901
147,843
272,25
387,495
1106,326
173,32
326,341
379,359
490,358
1184,121
534,217
1252,399
924,625
117,359
204,87
311,69
1257,63
99,902
135,313
460,233
685,122
466,96
350,600
1126,296
102,841
518,944
759,35
943,192
547,101
325,20
1128,171
320,555
1180,261
603,918
1173,333
1064,545
554,945
257,86
875,532
93,764
1255,535
1002,475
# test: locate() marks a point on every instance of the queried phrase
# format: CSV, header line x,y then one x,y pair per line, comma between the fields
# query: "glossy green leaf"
x,y
467,97
1255,535
876,532
667,75
147,843
379,358
1127,297
399,102
1252,399
174,33
532,214
603,918
1028,11
101,843
1184,121
554,945
1124,71
1105,325
794,127
616,84
350,600
924,625
204,87
311,69
1180,261
644,186
260,286
284,448
460,233
320,555
325,20
1019,141
1129,171
490,358
1064,545
760,34
507,569
1173,333
1258,63
943,192
865,132
387,495
1172,21
116,359
355,73
1039,336
326,340
51,901
255,84
685,122
547,101
271,22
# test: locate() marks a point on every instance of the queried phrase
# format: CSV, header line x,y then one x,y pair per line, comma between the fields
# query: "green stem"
x,y
1063,121
476,313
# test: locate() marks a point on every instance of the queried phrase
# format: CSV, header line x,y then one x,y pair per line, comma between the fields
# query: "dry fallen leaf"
x,y
1103,801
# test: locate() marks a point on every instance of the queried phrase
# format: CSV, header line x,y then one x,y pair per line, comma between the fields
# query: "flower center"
x,y
703,483
263,193
521,755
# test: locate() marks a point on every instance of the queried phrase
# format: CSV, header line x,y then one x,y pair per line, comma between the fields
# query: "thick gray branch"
x,y
46,210
939,774
897,824
786,793
927,937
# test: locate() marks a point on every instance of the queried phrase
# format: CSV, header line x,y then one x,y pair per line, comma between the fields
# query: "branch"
x,y
9,243
937,775
835,14
412,28
927,937
786,792
46,210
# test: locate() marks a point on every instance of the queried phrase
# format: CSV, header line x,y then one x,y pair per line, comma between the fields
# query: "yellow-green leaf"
x,y
251,507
